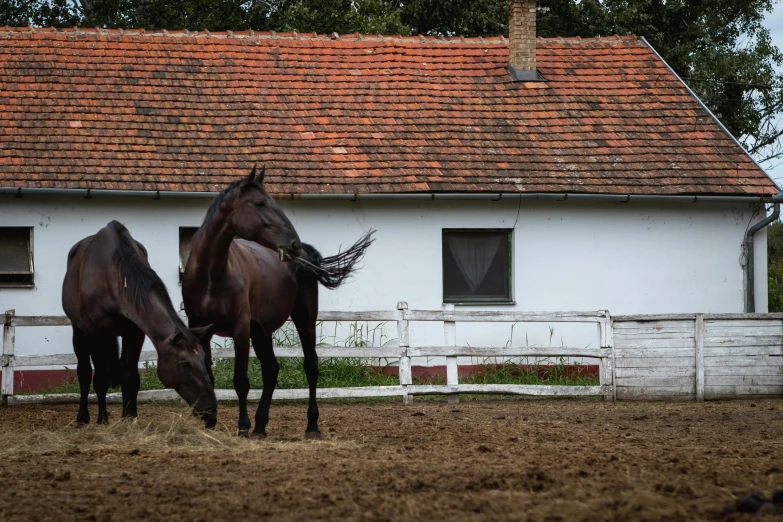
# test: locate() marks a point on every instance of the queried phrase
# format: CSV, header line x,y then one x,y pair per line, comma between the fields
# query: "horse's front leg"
x,y
84,373
132,342
262,344
241,382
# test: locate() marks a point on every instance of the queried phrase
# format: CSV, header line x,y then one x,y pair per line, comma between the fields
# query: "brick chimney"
x,y
522,40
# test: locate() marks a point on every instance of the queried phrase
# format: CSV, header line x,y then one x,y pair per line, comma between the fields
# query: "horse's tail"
x,y
106,359
333,270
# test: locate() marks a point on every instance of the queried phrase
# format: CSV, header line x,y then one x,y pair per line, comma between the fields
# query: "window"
x,y
185,237
476,266
16,256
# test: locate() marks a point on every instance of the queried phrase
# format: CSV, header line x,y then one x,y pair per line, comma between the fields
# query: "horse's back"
x,y
88,289
272,288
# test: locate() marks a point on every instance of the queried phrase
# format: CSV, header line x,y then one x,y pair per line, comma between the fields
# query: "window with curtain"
x,y
185,237
476,266
16,256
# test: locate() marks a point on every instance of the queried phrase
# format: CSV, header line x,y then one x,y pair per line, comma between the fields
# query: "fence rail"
x,y
403,352
662,356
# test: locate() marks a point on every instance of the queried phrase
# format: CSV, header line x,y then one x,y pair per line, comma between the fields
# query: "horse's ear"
x,y
250,178
203,332
260,178
178,338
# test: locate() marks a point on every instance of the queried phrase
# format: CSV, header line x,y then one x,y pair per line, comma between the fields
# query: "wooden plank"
x,y
656,372
742,350
746,371
744,340
499,316
699,328
740,361
730,392
624,335
503,351
744,380
326,352
42,320
640,318
654,343
622,352
742,321
657,362
376,315
649,381
674,328
649,326
8,363
511,389
655,394
743,316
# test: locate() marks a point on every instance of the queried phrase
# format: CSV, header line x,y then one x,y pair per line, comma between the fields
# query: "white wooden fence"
x,y
701,356
643,357
403,352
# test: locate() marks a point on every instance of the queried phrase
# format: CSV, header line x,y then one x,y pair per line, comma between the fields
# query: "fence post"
x,y
9,336
406,376
699,335
452,369
605,332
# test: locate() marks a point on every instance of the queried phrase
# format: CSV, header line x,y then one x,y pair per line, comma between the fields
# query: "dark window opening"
x,y
16,256
476,266
185,238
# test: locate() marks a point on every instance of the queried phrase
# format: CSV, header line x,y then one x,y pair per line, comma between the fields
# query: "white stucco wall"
x,y
627,258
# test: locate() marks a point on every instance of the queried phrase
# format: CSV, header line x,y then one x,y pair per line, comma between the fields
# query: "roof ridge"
x,y
294,35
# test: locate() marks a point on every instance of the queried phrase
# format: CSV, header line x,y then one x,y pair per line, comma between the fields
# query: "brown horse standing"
x,y
110,290
248,291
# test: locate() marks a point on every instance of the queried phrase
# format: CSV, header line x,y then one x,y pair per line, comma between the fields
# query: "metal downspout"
x,y
750,267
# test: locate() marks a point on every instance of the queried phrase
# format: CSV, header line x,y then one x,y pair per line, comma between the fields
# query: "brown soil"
x,y
478,460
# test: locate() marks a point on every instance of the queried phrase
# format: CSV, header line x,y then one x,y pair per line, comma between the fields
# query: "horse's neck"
x,y
211,250
157,320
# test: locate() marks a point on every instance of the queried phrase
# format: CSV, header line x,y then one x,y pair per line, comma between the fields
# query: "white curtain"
x,y
474,255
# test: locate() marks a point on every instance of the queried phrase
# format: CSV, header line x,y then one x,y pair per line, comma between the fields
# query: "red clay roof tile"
x,y
188,111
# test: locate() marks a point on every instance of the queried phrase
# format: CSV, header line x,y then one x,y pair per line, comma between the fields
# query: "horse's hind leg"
x,y
132,341
241,381
83,372
105,358
262,344
304,316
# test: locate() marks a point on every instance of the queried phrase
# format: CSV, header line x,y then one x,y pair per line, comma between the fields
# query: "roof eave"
x,y
712,115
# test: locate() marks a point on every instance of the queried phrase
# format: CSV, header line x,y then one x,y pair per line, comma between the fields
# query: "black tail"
x,y
333,270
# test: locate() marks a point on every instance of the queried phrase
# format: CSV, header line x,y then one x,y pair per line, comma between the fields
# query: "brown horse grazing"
x,y
110,290
248,291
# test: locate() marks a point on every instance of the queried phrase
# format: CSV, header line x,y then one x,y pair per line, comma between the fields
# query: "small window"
x,y
185,237
16,256
477,266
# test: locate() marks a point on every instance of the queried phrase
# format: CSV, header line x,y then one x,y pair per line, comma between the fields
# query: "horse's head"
x,y
182,366
255,216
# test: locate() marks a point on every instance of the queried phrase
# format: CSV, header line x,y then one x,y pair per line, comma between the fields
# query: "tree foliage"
x,y
719,47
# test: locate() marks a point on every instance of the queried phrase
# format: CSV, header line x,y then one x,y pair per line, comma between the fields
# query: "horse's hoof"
x,y
258,434
103,420
244,434
313,435
81,422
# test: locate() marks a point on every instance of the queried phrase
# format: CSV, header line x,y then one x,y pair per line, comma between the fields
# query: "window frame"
x,y
179,248
30,260
480,300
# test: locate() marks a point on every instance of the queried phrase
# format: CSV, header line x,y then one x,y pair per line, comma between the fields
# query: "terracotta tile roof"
x,y
353,114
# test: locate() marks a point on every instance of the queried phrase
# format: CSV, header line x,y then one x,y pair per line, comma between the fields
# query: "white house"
x,y
581,175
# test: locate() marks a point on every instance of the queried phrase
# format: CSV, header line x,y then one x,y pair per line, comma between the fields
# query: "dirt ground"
x,y
478,460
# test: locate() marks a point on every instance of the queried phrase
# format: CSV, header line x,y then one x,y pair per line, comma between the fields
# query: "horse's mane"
x,y
215,205
140,281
